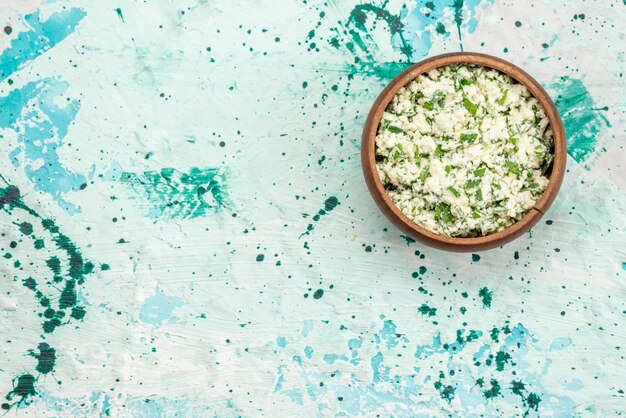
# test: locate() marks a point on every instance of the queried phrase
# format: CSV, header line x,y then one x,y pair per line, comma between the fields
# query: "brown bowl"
x,y
412,229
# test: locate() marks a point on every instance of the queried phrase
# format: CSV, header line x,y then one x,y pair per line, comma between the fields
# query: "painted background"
x,y
185,229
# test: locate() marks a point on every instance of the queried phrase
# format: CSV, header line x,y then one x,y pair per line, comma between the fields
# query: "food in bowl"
x,y
464,150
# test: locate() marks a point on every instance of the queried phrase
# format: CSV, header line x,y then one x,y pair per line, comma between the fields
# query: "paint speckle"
x,y
426,310
487,297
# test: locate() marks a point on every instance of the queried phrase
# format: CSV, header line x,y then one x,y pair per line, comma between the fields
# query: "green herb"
x,y
387,126
475,214
472,183
398,153
454,191
479,194
439,151
466,82
513,167
425,174
439,98
513,140
446,138
539,151
469,138
448,169
480,172
534,186
428,105
443,213
503,98
471,107
416,96
395,130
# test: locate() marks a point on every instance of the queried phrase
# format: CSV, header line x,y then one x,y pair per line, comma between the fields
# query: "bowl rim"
x,y
383,200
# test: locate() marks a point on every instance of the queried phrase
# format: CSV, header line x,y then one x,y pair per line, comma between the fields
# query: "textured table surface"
x,y
185,229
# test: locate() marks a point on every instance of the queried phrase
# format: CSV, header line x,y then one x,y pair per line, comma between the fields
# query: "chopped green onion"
x,y
480,172
469,138
513,167
471,107
395,130
472,183
443,213
503,98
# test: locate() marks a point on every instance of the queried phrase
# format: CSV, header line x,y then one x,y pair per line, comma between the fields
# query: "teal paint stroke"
x,y
583,120
439,15
172,194
42,36
411,30
41,124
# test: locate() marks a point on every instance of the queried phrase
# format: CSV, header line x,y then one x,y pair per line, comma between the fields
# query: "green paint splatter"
x,y
318,294
45,358
445,391
475,258
582,119
68,270
358,18
172,194
329,205
493,391
495,332
530,402
502,358
119,14
385,71
26,228
486,296
408,240
25,388
427,310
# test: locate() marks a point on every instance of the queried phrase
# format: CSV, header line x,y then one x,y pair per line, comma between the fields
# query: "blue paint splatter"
x,y
281,342
413,32
42,36
560,344
624,266
308,352
41,126
158,308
